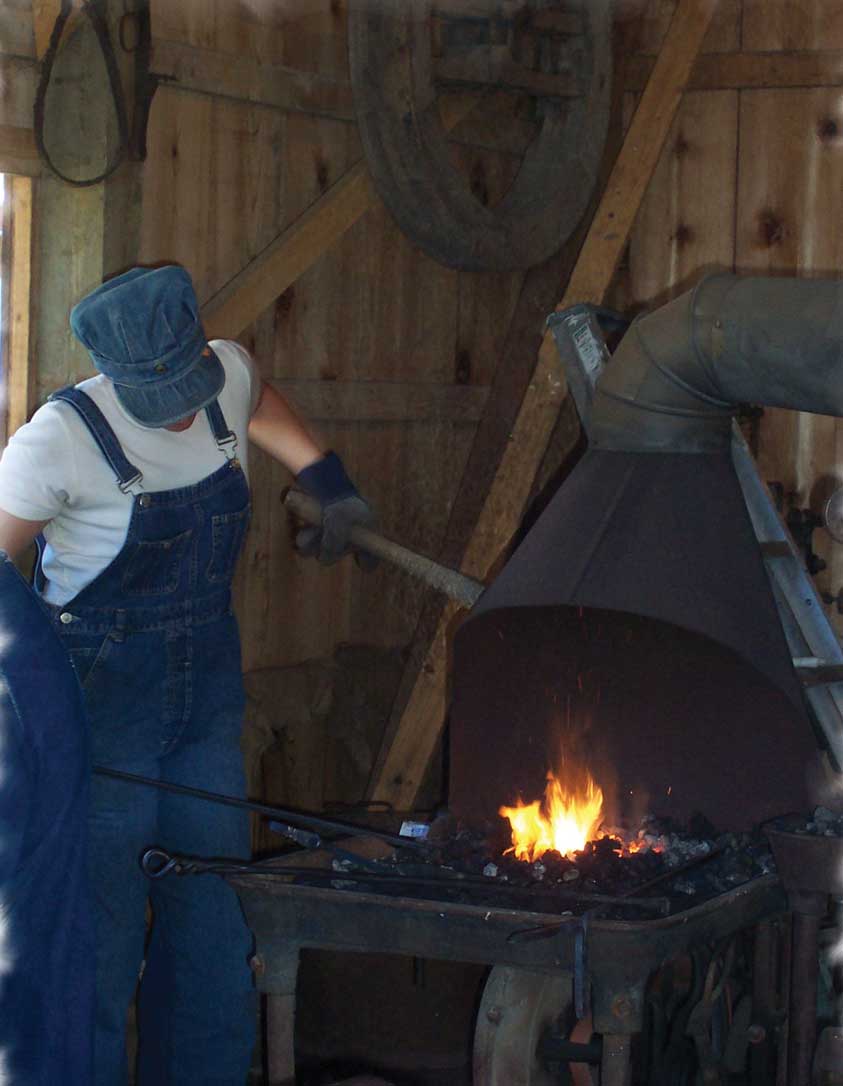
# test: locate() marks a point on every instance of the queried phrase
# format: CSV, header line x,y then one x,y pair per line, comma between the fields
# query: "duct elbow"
x,y
681,372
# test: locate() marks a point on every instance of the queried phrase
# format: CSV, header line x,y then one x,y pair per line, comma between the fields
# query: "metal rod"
x,y
302,818
804,972
765,962
451,582
191,867
380,871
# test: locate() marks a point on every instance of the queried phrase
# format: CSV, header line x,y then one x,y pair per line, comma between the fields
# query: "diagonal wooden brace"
x,y
403,766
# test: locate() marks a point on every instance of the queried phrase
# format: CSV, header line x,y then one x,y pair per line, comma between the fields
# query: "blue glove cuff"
x,y
326,480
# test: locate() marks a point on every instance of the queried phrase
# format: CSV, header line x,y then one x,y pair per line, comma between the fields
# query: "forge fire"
x,y
569,816
564,820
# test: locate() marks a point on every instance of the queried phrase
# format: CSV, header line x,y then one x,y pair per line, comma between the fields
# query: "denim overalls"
x,y
156,648
46,931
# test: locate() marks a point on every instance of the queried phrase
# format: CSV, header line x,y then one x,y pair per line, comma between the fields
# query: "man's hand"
x,y
342,510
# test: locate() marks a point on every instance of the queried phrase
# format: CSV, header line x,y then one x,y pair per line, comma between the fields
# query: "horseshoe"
x,y
394,75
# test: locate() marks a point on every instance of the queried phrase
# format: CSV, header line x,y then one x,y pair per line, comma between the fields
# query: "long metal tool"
x,y
463,589
292,820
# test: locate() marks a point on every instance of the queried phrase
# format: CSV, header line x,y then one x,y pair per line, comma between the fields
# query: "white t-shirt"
x,y
53,470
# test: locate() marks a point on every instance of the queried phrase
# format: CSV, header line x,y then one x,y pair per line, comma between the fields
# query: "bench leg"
x,y
281,1024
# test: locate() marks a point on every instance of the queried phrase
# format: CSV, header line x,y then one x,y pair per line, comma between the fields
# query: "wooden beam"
x,y
18,153
544,21
20,365
256,287
475,68
242,300
497,125
228,75
405,763
385,401
737,71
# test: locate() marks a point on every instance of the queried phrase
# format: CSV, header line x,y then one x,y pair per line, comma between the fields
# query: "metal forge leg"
x,y
808,910
769,1009
616,1068
618,1016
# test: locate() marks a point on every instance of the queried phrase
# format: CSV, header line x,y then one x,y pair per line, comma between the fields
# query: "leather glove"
x,y
342,509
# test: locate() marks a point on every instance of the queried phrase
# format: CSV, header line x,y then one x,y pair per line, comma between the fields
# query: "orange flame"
x,y
564,821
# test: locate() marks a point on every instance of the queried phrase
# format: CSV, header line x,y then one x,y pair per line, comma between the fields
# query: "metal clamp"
x,y
228,445
126,485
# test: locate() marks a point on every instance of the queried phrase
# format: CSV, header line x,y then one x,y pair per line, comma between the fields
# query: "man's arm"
x,y
275,428
16,534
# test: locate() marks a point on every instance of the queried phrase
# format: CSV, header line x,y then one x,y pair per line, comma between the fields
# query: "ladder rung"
x,y
823,675
777,548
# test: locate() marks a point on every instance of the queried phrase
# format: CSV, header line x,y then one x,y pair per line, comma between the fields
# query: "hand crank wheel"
x,y
518,1007
394,74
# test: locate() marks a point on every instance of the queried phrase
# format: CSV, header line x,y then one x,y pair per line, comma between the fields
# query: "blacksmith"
x,y
136,483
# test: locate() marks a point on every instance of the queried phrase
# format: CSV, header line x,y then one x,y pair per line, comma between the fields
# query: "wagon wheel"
x,y
518,1009
558,52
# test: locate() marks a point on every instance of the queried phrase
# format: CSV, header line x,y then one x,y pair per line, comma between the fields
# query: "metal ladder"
x,y
814,647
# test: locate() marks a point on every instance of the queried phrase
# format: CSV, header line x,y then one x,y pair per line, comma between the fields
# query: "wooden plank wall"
x,y
751,180
222,179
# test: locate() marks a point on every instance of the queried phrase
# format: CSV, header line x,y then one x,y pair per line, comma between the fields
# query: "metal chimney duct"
x,y
680,373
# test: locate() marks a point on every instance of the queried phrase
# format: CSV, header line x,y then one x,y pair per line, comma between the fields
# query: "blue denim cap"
x,y
143,331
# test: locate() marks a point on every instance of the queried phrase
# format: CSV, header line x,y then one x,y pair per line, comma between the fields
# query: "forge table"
x,y
604,961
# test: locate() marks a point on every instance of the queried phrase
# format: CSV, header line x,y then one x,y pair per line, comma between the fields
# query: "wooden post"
x,y
404,764
21,385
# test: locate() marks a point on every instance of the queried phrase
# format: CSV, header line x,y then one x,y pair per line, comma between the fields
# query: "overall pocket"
x,y
228,531
88,657
155,566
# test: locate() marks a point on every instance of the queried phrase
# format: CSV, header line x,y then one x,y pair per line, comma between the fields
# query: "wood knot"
x,y
479,185
827,129
322,173
284,304
681,147
462,370
770,228
683,234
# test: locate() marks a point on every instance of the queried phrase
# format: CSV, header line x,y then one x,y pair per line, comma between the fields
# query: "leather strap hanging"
x,y
96,13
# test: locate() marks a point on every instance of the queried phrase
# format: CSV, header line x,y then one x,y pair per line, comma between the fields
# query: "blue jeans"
x,y
196,1012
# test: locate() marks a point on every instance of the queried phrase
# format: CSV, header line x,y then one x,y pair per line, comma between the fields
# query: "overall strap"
x,y
226,439
127,474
